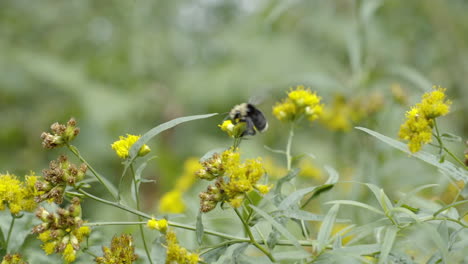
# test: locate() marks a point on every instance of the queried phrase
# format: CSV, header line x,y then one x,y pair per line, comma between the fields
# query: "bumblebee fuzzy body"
x,y
248,113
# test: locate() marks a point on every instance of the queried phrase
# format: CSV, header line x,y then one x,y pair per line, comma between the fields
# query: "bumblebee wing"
x,y
257,118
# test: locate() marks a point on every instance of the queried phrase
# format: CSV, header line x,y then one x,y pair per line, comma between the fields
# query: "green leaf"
x,y
278,226
133,153
327,226
291,254
302,215
381,197
405,198
441,245
277,189
200,229
445,166
387,245
358,204
332,180
451,137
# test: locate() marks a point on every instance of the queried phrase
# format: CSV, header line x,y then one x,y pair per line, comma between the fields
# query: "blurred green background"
x,y
126,66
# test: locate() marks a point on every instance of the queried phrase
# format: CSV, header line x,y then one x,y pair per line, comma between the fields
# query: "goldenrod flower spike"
x,y
300,102
160,225
17,195
417,129
122,250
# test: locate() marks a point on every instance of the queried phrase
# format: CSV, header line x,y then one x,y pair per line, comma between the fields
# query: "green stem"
x,y
136,212
114,223
252,239
442,146
288,147
137,198
75,151
12,223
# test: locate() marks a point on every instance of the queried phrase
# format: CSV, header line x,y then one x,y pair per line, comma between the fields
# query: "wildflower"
x,y
178,254
344,113
233,130
13,259
434,104
160,225
56,178
172,202
62,134
417,129
300,102
121,251
233,179
16,195
63,231
123,145
263,189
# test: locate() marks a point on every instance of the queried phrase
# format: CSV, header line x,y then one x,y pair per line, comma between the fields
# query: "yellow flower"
x,y
176,253
17,195
263,189
172,203
285,111
160,225
123,145
233,179
417,129
13,259
49,247
69,254
121,250
300,101
434,104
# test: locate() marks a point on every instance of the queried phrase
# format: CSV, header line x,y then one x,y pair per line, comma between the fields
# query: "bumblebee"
x,y
253,118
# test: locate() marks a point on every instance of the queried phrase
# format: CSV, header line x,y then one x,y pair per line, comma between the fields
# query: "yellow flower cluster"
x,y
17,195
178,254
233,130
56,178
123,145
63,231
13,259
233,179
160,225
300,102
344,113
417,129
121,250
172,202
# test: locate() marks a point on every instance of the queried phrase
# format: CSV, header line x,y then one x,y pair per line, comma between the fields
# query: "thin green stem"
x,y
288,147
443,148
137,199
136,212
75,151
225,243
85,250
12,223
252,238
114,223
